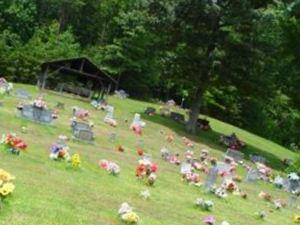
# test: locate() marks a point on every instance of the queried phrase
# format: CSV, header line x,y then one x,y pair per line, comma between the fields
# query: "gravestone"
x,y
80,126
165,154
37,114
22,94
236,155
293,201
257,159
110,114
121,94
279,182
185,168
83,135
294,189
293,186
45,116
82,132
211,177
224,168
177,117
113,137
150,111
164,111
252,175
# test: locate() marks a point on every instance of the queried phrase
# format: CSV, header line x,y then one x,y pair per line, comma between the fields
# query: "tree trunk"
x,y
62,19
191,125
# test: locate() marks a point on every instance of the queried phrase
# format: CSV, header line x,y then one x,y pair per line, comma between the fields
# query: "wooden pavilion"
x,y
82,70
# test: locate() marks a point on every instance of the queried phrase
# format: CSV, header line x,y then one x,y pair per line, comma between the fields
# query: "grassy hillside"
x,y
49,193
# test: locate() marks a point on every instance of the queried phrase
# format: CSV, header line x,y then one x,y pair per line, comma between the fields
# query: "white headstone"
x,y
185,168
212,177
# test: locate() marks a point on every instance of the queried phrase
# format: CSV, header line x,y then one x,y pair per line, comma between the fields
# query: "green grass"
x,y
49,193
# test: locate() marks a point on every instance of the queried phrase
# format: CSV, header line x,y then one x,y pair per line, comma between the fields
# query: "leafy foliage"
x,y
235,60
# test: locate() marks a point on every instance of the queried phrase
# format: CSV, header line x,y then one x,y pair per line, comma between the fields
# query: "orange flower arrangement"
x,y
120,148
140,152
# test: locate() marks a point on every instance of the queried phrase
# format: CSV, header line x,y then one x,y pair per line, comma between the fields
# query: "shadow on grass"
x,y
211,138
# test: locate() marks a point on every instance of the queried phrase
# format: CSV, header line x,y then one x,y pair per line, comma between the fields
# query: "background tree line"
x,y
234,60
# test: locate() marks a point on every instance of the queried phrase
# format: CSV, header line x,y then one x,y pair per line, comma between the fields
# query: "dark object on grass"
x,y
203,124
177,117
232,142
150,111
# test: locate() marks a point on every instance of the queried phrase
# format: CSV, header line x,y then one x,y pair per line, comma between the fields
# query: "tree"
x,y
206,37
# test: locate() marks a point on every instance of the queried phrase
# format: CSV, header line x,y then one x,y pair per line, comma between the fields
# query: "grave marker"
x,y
22,94
252,175
211,177
236,155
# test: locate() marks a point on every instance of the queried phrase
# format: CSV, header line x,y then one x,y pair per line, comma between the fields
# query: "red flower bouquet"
x,y
146,171
13,143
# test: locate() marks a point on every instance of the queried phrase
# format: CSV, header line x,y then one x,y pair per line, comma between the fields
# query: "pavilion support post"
x,y
81,65
44,78
108,89
102,93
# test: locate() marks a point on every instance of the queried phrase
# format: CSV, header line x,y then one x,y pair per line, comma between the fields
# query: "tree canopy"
x,y
234,60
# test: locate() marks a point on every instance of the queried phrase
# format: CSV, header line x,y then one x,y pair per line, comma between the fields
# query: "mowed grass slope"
x,y
49,193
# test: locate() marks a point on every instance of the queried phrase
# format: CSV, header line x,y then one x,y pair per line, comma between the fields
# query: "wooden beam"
x,y
44,78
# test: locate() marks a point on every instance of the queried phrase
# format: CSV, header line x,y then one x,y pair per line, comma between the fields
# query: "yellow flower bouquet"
x,y
75,161
130,218
6,185
297,218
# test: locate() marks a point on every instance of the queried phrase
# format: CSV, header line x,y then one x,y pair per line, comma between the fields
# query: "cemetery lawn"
x,y
47,193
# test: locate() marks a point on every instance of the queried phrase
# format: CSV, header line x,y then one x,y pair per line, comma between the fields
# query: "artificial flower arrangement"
x,y
170,138
187,142
13,144
204,155
189,155
192,178
279,204
20,106
206,205
220,192
261,215
81,113
127,214
5,87
120,148
201,166
145,194
60,150
6,185
225,223
140,151
265,196
209,220
243,194
39,103
237,178
230,186
264,171
297,218
146,171
55,114
137,125
75,161
111,167
168,156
